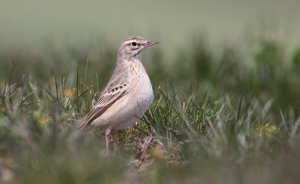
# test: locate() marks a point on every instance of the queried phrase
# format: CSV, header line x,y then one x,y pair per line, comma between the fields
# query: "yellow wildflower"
x,y
267,130
43,119
69,92
157,153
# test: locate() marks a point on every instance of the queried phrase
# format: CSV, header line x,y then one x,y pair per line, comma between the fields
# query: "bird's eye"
x,y
133,43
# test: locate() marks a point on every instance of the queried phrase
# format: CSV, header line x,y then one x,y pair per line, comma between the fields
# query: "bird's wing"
x,y
116,88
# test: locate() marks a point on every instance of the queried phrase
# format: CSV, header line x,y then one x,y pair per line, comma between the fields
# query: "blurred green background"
x,y
27,24
225,77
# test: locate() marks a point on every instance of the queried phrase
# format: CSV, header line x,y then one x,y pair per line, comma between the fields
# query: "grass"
x,y
227,119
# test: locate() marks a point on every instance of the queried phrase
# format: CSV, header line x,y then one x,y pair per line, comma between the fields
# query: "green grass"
x,y
227,119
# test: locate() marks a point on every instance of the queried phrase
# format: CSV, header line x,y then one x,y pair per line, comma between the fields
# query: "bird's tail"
x,y
83,126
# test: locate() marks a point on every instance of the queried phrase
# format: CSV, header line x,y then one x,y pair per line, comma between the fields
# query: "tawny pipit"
x,y
127,95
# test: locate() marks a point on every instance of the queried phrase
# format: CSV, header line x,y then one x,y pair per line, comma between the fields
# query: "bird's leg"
x,y
114,139
107,138
110,137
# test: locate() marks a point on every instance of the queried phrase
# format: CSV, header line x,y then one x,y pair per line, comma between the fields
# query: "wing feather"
x,y
103,106
116,88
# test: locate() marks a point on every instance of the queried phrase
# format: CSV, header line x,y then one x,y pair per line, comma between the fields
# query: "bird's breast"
x,y
143,94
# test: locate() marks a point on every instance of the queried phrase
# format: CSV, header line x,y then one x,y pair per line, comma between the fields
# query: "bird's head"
x,y
133,46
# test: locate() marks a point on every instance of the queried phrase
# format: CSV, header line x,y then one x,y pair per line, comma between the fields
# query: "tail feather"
x,y
83,126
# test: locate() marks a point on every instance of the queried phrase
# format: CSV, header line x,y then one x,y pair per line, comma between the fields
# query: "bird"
x,y
127,95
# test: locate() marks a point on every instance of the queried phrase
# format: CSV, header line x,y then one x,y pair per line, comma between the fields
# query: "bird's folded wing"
x,y
116,88
106,100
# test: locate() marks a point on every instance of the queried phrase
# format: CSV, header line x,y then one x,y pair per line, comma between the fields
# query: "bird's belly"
x,y
138,105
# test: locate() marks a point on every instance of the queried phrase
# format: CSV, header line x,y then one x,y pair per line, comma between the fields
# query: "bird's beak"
x,y
150,43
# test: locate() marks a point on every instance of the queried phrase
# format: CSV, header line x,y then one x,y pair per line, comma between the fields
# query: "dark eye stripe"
x,y
132,46
135,47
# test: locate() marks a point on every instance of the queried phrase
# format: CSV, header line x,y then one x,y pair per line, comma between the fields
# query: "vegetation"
x,y
217,118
